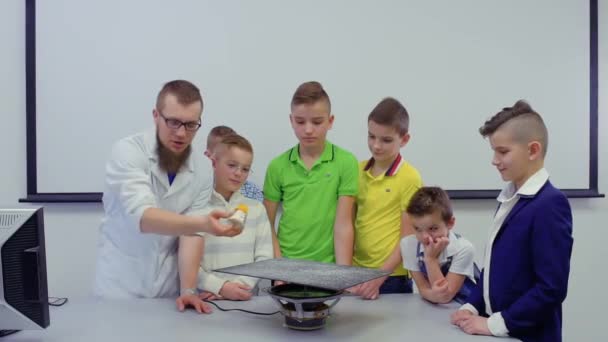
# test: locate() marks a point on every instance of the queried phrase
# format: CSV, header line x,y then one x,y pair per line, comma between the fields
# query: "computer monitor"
x,y
24,302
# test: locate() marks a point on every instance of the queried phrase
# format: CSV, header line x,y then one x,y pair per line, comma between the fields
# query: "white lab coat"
x,y
130,263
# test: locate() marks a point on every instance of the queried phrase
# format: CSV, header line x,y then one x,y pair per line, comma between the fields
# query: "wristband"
x,y
189,291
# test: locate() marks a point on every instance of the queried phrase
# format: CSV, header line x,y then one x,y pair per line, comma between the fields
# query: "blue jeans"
x,y
397,284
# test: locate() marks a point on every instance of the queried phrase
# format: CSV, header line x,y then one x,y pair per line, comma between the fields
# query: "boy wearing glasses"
x,y
215,136
231,166
155,190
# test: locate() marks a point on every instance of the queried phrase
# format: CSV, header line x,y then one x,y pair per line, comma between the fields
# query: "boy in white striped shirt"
x,y
231,166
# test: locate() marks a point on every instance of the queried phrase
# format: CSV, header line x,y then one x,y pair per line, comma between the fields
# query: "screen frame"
x,y
33,196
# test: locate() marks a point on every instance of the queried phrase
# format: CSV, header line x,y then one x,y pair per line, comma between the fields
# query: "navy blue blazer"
x,y
529,266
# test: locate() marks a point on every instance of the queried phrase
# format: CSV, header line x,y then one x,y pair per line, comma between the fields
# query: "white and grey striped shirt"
x,y
253,244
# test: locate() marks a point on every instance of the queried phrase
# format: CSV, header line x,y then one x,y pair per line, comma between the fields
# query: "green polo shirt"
x,y
309,199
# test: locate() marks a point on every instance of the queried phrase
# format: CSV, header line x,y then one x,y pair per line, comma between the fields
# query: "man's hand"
x,y
192,300
371,289
475,325
220,229
434,247
235,291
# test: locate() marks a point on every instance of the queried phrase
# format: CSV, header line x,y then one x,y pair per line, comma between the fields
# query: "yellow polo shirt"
x,y
380,203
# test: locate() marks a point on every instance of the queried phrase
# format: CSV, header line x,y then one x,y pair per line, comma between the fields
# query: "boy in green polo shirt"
x,y
316,182
386,184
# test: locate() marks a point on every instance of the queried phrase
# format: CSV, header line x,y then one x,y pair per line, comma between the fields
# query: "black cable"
x,y
57,301
53,301
242,310
7,332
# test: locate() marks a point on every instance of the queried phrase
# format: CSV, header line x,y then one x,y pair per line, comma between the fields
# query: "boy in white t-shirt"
x,y
441,262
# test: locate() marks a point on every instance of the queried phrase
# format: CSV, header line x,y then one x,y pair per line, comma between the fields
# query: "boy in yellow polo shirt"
x,y
386,184
316,182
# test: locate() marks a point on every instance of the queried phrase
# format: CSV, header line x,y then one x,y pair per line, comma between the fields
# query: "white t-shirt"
x,y
460,249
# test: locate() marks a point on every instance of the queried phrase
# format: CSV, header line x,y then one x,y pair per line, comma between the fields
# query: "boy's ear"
x,y
207,153
451,222
405,139
331,120
535,150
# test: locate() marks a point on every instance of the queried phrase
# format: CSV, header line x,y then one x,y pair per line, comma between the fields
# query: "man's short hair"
x,y
310,93
390,112
525,123
428,200
185,92
218,132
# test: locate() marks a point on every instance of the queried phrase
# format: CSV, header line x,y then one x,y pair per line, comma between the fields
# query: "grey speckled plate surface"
x,y
312,273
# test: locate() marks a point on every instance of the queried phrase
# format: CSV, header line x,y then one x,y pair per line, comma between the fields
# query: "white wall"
x,y
71,229
248,63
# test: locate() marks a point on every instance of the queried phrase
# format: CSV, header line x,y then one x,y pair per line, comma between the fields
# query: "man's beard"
x,y
168,160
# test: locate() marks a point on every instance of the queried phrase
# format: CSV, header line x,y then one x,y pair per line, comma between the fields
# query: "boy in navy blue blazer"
x,y
527,261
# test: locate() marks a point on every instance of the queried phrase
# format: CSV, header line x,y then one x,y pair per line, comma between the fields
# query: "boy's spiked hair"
x,y
527,124
428,200
218,132
235,140
390,112
310,93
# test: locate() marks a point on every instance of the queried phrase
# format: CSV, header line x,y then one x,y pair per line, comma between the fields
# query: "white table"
x,y
390,318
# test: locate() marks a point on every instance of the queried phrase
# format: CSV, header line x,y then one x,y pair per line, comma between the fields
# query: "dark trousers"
x,y
397,284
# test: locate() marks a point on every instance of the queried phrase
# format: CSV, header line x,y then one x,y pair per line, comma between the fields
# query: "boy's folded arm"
x,y
462,266
455,282
551,250
423,286
426,290
433,269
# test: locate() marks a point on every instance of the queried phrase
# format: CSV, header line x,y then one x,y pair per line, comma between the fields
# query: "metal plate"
x,y
305,272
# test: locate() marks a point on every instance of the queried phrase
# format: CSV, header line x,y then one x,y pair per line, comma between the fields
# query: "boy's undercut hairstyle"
x,y
390,112
218,132
525,123
310,93
428,200
235,140
185,92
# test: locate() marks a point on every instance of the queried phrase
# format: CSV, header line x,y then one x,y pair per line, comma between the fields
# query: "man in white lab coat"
x,y
156,183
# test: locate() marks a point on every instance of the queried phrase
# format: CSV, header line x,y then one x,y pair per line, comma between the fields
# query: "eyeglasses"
x,y
176,124
234,167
